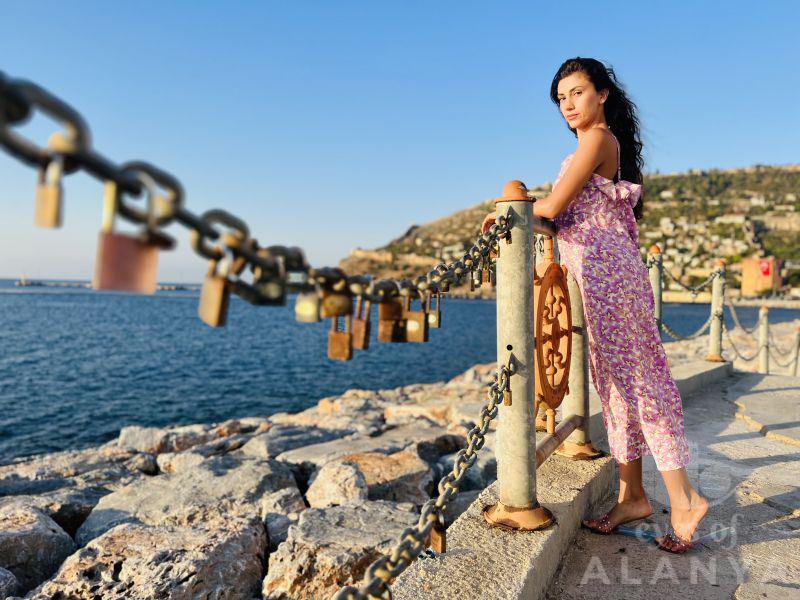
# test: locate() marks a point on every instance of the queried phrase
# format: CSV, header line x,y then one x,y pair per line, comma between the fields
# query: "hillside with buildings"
x,y
694,217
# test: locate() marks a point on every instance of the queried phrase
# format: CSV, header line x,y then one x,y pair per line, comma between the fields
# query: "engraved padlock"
x,y
361,324
435,312
215,296
127,262
50,194
416,322
391,323
307,307
340,343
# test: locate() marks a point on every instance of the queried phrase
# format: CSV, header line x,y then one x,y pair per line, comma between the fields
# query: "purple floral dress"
x,y
598,242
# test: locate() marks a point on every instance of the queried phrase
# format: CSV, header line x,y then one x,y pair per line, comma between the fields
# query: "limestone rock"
x,y
8,583
282,438
280,510
339,482
401,477
144,462
155,440
32,545
59,465
434,439
480,474
175,462
221,559
355,411
332,547
68,506
222,484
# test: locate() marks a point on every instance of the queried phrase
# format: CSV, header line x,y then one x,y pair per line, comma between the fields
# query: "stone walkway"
x,y
745,441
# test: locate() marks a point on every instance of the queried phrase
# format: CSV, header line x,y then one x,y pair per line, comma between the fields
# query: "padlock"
x,y
50,194
435,313
416,322
486,273
307,307
340,343
270,284
361,324
335,303
126,262
391,324
438,537
215,296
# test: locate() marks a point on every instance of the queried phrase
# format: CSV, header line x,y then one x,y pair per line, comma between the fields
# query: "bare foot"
x,y
623,512
685,520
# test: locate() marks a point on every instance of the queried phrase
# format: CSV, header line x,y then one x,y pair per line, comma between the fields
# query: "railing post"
x,y
516,435
763,339
796,353
717,314
579,444
656,269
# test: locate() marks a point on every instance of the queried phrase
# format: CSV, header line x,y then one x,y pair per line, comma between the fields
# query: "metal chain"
x,y
414,539
736,320
19,98
677,336
774,346
735,349
696,288
778,362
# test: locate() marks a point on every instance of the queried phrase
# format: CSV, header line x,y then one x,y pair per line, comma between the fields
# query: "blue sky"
x,y
335,125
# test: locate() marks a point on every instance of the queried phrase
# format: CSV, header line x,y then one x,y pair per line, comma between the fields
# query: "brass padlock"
x,y
215,296
438,537
416,322
335,304
361,324
340,343
391,324
435,313
125,262
307,307
50,195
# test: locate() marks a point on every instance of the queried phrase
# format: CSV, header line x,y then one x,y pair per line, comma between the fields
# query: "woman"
x,y
595,210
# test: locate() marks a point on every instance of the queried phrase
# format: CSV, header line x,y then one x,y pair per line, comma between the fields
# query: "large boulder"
x,y
32,545
155,440
437,439
335,483
332,547
221,484
280,510
402,476
220,559
282,438
355,411
9,585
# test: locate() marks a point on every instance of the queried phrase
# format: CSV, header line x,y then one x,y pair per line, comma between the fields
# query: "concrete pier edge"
x,y
482,561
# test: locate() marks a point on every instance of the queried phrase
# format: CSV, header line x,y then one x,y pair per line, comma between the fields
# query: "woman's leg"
x,y
632,502
687,506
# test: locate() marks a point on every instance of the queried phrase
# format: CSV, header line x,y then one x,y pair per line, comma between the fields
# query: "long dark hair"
x,y
620,112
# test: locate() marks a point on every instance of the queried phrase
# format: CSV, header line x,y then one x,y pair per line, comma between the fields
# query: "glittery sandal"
x,y
679,545
603,524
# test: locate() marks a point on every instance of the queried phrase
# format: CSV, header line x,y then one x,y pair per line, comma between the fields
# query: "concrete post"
x,y
717,315
578,444
656,270
763,340
516,434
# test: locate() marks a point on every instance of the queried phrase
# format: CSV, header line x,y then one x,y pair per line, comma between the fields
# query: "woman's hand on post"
x,y
488,221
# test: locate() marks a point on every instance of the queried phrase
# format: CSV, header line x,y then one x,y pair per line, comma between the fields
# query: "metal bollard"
x,y
717,314
578,445
763,340
656,271
516,433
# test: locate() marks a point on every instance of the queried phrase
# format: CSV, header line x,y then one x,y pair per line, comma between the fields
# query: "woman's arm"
x,y
586,159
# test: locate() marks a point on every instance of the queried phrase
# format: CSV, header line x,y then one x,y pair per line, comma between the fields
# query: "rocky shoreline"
x,y
285,506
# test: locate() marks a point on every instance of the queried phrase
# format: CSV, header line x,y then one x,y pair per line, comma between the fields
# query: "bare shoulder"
x,y
595,139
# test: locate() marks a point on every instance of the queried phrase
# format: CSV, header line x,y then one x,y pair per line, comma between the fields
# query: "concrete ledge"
x,y
486,562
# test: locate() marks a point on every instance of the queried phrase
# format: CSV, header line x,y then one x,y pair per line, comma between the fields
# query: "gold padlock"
x,y
50,195
361,324
125,262
215,296
391,324
416,322
307,307
435,313
340,343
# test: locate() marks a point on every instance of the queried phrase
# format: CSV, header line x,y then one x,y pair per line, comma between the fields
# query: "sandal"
x,y
679,546
603,524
